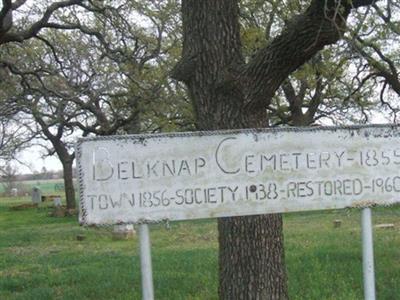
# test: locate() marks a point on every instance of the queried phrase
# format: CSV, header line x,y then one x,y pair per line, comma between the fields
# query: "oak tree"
x,y
228,91
102,74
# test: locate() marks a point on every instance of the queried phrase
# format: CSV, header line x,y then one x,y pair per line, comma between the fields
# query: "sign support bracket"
x,y
145,262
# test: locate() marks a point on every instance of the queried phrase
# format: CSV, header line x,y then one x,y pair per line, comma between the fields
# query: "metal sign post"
x,y
368,254
145,262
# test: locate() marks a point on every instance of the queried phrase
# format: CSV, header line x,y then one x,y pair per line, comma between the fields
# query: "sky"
x,y
34,161
32,158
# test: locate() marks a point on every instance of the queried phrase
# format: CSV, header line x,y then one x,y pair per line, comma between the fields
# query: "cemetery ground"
x,y
47,186
41,258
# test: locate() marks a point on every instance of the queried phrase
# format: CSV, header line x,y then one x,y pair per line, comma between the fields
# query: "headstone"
x,y
385,226
337,223
36,195
123,232
80,237
57,201
14,192
59,212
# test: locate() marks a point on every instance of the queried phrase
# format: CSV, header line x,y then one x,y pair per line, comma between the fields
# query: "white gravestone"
x,y
123,232
36,195
57,201
14,192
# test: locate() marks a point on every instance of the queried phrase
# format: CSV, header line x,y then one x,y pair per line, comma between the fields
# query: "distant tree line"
x,y
47,175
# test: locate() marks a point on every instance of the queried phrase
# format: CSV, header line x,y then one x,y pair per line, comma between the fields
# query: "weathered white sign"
x,y
144,178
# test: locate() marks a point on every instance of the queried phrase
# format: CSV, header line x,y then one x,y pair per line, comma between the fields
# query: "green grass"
x,y
48,186
40,257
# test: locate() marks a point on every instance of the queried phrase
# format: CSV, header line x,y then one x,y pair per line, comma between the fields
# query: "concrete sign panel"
x,y
150,178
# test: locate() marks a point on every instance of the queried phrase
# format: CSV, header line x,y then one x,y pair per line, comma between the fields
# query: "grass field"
x,y
48,186
40,257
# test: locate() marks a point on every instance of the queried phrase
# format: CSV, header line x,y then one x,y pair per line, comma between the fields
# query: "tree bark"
x,y
68,182
226,92
251,256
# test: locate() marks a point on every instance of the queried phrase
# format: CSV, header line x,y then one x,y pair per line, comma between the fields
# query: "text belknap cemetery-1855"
x,y
139,178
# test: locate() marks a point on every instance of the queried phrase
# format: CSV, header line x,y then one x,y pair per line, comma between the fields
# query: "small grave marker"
x,y
14,192
123,232
385,226
36,195
57,201
80,237
337,223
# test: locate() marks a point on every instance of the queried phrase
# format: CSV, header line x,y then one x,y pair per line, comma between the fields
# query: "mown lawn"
x,y
47,186
40,257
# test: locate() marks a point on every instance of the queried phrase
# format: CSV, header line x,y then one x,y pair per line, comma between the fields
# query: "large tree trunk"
x,y
228,93
251,259
68,182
